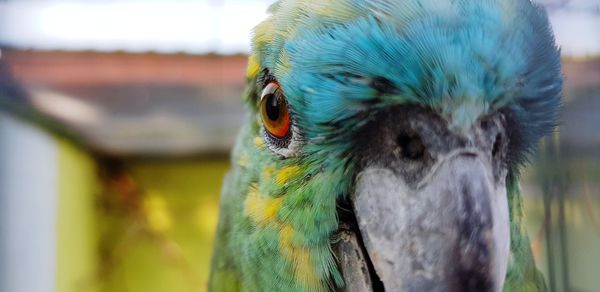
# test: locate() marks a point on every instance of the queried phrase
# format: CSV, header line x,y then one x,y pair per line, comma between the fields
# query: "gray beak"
x,y
449,232
430,204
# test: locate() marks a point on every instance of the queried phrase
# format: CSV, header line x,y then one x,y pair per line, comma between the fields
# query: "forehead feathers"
x,y
337,58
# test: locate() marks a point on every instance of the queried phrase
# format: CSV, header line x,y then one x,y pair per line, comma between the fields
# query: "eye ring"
x,y
280,134
274,112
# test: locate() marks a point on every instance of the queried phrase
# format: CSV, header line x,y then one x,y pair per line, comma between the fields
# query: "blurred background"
x,y
116,120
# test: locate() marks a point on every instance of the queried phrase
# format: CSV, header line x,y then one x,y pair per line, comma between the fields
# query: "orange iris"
x,y
274,111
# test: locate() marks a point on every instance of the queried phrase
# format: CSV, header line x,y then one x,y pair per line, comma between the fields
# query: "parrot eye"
x,y
281,135
274,111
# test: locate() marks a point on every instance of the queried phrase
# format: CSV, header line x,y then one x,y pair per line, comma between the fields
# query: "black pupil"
x,y
272,107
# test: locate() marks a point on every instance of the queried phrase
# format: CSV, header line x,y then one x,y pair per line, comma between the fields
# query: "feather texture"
x,y
464,59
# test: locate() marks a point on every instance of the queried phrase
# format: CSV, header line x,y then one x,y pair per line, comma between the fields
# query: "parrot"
x,y
404,122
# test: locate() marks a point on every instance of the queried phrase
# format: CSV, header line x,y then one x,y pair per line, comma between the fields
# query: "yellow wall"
x,y
76,223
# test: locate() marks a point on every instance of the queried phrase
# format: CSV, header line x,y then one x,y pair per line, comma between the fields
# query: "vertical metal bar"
x,y
549,245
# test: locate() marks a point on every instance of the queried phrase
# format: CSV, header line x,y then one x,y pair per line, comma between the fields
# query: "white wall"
x,y
28,200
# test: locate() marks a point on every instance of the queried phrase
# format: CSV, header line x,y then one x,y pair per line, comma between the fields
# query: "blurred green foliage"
x,y
160,240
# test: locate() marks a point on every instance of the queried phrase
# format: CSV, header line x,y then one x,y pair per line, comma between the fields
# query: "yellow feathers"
x,y
260,208
286,173
258,142
253,67
243,160
300,256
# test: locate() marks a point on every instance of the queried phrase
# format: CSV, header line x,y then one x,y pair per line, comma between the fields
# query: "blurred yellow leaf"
x,y
157,213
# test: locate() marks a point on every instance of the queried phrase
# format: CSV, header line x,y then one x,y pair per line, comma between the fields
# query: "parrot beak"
x,y
430,201
448,232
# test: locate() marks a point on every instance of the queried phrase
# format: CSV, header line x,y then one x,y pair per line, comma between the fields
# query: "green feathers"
x,y
277,217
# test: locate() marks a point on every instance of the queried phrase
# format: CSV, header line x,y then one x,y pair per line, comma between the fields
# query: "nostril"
x,y
497,145
411,146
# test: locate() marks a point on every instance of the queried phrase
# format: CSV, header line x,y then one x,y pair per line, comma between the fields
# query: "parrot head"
x,y
417,113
